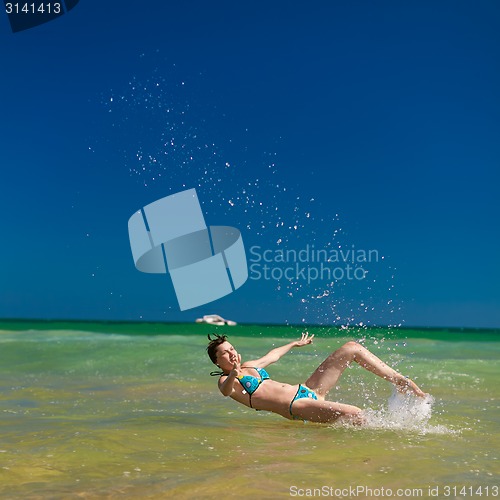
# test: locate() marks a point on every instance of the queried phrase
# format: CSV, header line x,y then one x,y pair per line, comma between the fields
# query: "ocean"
x,y
129,410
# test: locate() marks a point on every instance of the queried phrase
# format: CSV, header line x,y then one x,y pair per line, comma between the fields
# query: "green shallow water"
x,y
94,410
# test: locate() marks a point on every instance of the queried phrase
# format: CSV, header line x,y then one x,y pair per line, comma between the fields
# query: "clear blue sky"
x,y
361,123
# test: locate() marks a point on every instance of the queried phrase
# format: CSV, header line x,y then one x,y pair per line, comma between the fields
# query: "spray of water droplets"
x,y
165,138
408,413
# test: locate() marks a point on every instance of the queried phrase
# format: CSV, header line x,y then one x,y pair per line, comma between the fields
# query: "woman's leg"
x,y
328,373
323,411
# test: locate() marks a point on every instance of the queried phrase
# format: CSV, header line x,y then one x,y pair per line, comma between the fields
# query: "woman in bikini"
x,y
249,384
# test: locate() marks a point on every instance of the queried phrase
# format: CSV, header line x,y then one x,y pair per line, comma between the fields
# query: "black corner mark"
x,y
25,15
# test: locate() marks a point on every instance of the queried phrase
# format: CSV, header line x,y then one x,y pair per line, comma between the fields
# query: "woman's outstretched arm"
x,y
275,354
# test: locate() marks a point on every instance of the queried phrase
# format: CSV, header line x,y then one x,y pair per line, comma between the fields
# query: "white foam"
x,y
405,412
409,409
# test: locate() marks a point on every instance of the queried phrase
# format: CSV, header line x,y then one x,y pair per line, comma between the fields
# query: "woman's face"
x,y
227,356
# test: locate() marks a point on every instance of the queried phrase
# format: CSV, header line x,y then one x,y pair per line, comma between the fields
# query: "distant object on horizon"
x,y
215,319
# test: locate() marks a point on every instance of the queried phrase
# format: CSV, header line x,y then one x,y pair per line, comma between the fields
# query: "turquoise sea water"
x,y
93,410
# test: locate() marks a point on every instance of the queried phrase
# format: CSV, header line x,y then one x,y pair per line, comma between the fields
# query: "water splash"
x,y
406,412
166,139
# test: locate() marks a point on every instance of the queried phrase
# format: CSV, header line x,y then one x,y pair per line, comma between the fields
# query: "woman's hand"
x,y
304,340
227,387
236,360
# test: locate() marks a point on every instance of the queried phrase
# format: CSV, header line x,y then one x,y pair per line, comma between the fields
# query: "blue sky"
x,y
369,126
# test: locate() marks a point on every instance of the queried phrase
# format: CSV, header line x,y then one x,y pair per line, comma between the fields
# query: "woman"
x,y
250,384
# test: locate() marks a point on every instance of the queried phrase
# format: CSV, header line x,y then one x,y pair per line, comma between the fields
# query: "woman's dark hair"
x,y
213,344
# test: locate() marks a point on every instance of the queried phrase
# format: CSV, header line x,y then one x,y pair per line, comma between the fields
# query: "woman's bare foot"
x,y
406,385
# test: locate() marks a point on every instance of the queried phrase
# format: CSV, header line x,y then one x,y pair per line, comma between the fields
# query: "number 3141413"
x,y
33,8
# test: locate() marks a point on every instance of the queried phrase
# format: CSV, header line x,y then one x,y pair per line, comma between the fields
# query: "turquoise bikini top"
x,y
251,383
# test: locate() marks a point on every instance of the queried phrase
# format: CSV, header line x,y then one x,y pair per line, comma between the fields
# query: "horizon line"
x,y
298,325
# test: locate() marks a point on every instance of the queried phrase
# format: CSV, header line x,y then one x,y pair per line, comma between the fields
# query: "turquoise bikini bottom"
x,y
302,392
